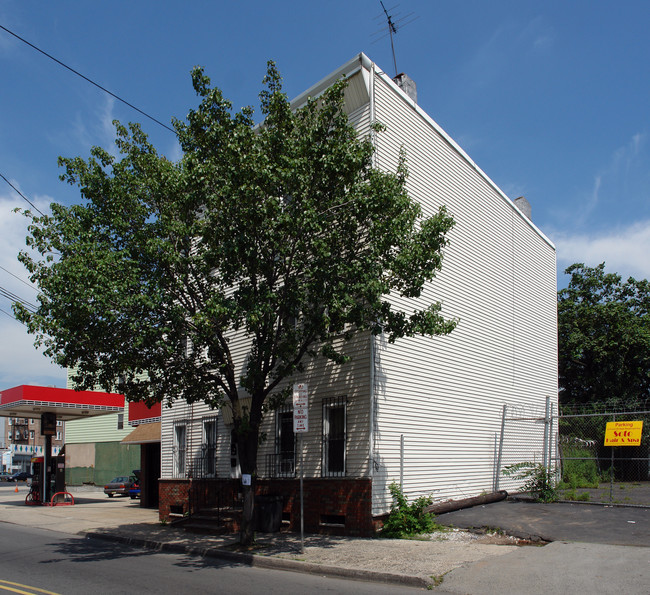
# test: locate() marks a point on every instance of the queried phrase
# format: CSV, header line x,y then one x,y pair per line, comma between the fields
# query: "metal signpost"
x,y
300,426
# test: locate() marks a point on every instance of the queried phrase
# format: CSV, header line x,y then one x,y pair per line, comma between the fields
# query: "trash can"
x,y
269,513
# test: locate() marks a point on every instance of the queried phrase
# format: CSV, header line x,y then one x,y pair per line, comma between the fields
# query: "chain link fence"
x,y
570,448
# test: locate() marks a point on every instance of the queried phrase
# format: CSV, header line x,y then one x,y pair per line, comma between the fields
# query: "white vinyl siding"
x,y
445,394
325,380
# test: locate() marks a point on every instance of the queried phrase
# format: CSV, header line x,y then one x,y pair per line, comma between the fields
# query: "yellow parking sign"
x,y
623,433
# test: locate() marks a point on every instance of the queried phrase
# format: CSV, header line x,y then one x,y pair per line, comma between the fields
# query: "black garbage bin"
x,y
269,513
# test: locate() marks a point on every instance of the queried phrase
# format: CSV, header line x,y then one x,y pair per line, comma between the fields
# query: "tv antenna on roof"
x,y
393,26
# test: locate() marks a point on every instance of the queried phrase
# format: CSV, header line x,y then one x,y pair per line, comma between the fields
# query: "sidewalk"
x,y
463,562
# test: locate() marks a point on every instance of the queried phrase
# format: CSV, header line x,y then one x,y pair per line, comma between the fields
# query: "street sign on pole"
x,y
300,408
300,426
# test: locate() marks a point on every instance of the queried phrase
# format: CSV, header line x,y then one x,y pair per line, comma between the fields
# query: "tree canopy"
x,y
604,337
282,232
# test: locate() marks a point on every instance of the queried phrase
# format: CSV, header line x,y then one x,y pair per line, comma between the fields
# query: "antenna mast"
x,y
391,29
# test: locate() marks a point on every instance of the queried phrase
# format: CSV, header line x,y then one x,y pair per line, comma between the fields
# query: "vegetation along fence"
x,y
594,453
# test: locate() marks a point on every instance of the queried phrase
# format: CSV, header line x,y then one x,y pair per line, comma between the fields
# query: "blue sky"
x,y
551,99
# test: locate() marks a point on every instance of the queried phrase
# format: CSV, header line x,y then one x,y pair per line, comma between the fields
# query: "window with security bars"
x,y
334,436
180,434
285,443
209,447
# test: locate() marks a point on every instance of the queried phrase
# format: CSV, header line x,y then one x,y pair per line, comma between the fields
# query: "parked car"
x,y
119,485
20,476
4,476
134,492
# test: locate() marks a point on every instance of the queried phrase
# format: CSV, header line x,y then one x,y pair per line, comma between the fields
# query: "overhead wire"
x,y
12,316
22,195
15,298
19,279
87,79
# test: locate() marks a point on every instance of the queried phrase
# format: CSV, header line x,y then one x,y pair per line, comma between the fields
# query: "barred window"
x,y
180,433
334,436
209,447
285,443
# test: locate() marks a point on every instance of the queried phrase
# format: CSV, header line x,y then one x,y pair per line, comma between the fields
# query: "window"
x,y
209,447
285,443
334,437
59,436
31,434
120,421
180,431
59,422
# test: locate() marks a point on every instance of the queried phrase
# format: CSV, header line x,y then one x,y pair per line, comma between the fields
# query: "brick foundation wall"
x,y
173,497
338,506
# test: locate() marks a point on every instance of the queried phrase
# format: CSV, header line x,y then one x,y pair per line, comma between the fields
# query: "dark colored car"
x,y
4,476
119,485
20,476
134,492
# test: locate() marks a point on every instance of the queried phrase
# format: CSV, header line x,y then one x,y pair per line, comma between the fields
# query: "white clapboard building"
x,y
423,411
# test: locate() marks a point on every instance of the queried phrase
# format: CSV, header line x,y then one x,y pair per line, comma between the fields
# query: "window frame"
x,y
328,441
284,421
209,429
179,451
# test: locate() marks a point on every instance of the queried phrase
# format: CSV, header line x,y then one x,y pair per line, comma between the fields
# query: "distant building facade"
x,y
23,440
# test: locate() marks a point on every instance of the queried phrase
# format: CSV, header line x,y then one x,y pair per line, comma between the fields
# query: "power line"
x,y
14,298
88,80
12,316
21,194
19,279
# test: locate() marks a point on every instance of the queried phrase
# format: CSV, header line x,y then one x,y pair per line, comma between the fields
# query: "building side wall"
x,y
97,463
444,395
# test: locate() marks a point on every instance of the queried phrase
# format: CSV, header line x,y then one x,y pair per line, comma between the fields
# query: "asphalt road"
x,y
32,559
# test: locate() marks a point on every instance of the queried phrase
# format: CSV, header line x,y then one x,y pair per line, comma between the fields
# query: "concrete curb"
x,y
262,561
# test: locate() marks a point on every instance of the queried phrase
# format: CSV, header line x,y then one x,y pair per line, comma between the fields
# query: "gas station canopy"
x,y
32,401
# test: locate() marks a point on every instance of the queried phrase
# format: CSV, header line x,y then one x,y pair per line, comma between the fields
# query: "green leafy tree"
x,y
604,337
281,233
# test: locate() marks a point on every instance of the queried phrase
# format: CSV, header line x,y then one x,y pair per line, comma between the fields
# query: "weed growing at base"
x,y
408,520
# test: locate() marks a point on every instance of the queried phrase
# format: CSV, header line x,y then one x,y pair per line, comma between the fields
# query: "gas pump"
x,y
37,479
48,429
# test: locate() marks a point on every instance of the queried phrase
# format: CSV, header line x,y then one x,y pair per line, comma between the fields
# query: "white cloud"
x,y
625,250
89,130
20,362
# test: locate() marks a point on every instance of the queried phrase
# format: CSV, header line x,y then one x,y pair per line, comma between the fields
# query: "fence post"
x,y
500,453
546,426
611,471
550,439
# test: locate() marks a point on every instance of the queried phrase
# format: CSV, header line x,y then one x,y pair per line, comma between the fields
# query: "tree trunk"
x,y
247,533
247,446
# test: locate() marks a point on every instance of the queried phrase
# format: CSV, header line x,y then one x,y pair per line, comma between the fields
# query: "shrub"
x,y
538,480
404,519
